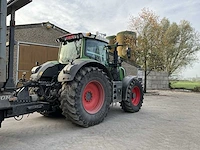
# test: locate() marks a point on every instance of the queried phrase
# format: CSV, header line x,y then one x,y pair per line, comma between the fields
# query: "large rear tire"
x,y
86,99
134,99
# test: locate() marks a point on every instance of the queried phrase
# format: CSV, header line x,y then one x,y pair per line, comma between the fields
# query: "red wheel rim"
x,y
136,96
93,97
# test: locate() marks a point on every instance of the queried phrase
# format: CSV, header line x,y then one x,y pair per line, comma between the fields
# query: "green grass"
x,y
189,85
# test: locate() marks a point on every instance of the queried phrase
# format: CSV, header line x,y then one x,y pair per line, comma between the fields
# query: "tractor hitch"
x,y
20,102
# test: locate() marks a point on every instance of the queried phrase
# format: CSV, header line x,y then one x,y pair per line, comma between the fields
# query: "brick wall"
x,y
155,80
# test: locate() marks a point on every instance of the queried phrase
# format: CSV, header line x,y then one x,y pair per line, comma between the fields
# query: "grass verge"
x,y
183,84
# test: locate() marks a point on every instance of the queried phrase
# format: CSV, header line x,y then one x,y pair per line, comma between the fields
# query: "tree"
x,y
161,45
179,44
146,26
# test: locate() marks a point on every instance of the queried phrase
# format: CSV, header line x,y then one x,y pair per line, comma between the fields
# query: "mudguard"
x,y
38,71
125,84
69,71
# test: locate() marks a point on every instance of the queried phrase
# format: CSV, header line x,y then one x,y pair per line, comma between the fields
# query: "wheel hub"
x,y
88,96
136,96
93,97
133,95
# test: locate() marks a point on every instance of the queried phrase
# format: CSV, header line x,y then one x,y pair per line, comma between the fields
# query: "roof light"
x,y
88,34
69,37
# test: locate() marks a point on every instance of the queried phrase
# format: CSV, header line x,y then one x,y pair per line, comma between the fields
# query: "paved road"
x,y
168,121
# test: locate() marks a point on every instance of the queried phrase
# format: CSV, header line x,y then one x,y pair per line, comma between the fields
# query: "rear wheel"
x,y
87,98
134,99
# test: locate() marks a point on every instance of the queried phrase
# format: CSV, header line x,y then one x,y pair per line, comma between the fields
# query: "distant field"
x,y
185,84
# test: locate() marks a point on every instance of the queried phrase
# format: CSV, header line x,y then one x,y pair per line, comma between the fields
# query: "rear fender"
x,y
69,71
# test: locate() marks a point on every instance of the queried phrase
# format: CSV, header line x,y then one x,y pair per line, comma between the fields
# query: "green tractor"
x,y
81,85
90,80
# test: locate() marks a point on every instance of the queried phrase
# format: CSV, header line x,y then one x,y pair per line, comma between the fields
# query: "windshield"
x,y
69,51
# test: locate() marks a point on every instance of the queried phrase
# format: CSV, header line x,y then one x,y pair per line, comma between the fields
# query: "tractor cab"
x,y
82,45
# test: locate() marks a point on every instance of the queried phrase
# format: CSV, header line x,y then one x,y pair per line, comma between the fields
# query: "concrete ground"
x,y
168,121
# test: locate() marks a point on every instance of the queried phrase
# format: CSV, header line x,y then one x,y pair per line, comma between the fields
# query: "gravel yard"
x,y
168,120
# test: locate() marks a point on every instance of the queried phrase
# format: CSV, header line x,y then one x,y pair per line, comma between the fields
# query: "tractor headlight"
x,y
67,69
35,69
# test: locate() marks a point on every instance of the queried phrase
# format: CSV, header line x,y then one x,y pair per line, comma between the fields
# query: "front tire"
x,y
86,99
134,99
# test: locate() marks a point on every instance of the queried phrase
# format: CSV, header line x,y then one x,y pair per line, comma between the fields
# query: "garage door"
x,y
29,54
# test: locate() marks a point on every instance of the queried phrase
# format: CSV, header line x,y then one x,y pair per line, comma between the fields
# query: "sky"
x,y
110,16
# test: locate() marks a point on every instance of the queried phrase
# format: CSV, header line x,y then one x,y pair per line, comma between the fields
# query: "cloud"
x,y
104,16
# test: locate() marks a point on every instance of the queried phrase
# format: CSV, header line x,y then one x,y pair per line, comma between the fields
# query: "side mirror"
x,y
128,52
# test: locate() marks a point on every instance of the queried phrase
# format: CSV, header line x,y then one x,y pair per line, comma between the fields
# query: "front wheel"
x,y
134,97
86,100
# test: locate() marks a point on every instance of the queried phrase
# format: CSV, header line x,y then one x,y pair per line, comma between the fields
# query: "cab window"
x,y
96,50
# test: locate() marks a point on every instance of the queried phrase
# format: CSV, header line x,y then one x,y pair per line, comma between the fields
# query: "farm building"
x,y
34,43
